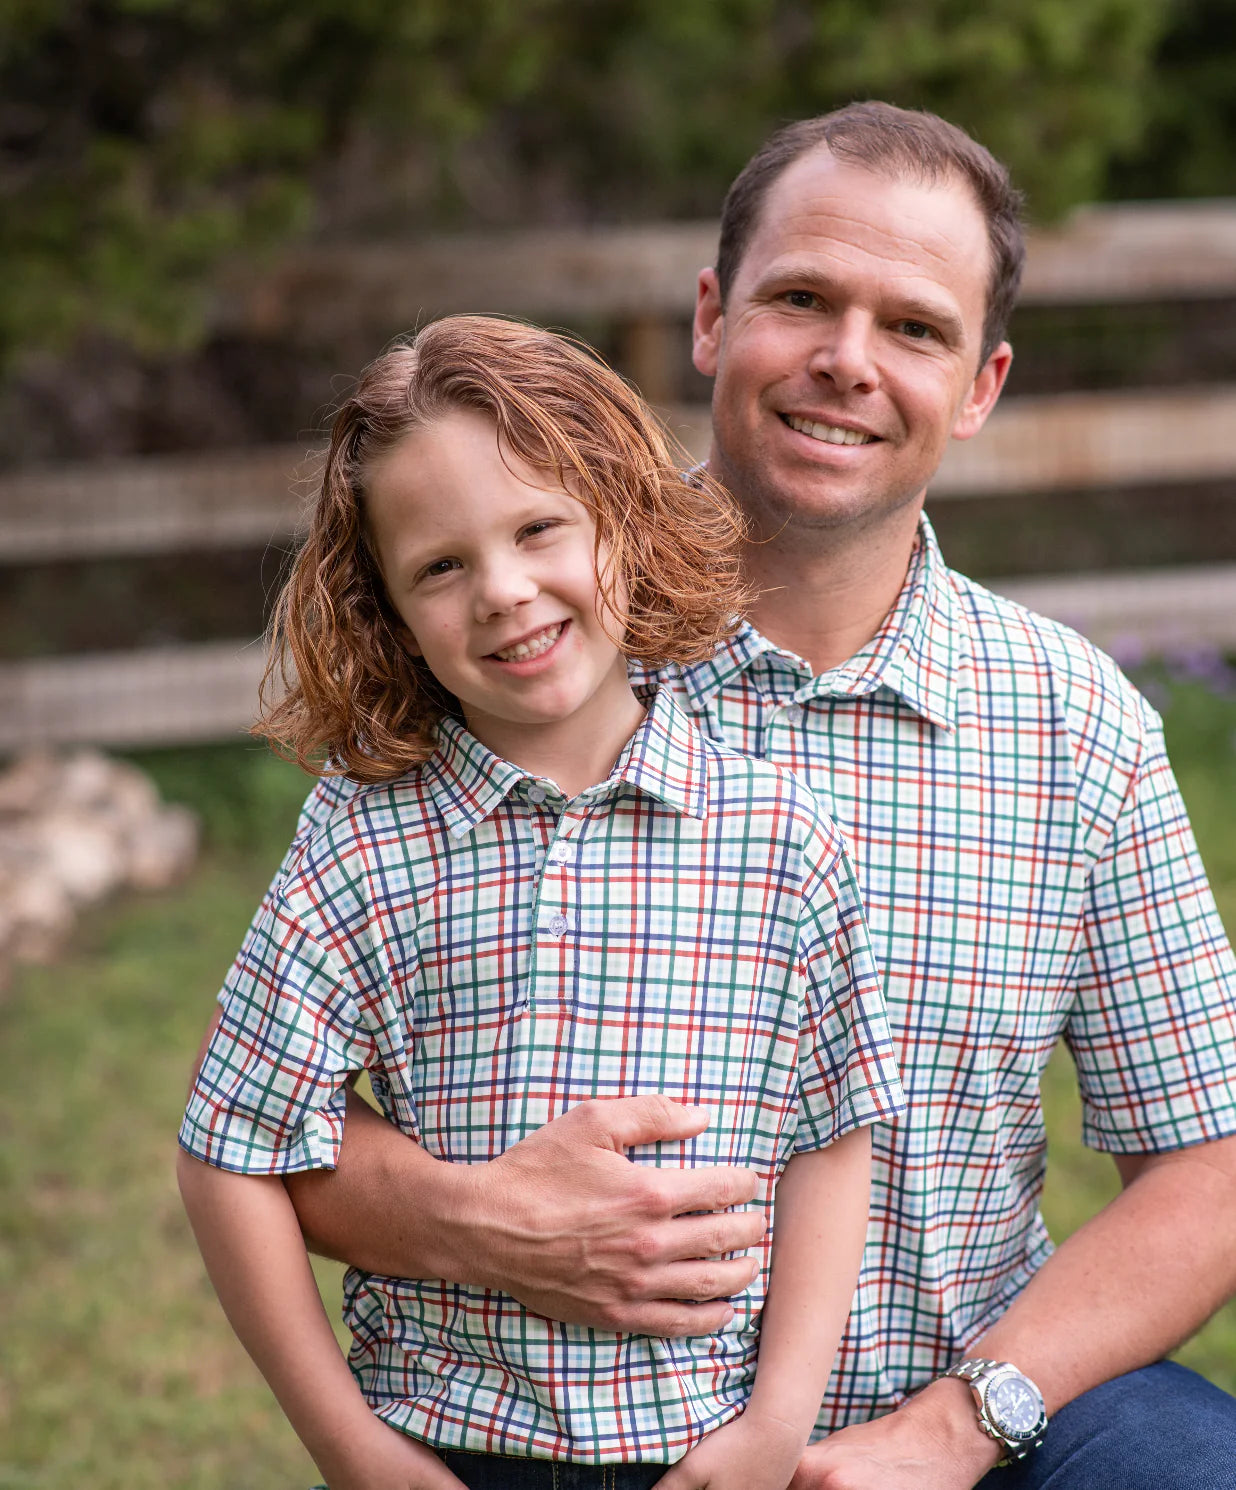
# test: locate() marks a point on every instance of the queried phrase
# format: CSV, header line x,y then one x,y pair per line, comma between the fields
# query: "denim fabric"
x,y
1161,1428
497,1472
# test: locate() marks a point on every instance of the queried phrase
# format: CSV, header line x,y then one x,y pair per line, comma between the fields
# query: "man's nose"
x,y
501,585
845,354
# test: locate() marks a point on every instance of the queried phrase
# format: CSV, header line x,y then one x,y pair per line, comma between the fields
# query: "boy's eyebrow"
x,y
910,307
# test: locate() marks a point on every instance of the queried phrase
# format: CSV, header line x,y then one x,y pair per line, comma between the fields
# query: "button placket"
x,y
552,961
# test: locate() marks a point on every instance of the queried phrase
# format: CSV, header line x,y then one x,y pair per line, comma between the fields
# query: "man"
x,y
1028,873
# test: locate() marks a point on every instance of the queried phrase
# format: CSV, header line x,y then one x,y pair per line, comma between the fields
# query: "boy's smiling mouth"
x,y
532,646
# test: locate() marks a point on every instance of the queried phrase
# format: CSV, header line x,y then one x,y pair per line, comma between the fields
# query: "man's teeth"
x,y
533,647
831,434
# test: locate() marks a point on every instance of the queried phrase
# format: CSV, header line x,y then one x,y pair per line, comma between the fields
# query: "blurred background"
x,y
211,215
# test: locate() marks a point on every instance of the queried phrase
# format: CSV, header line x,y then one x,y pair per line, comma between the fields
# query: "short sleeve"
x,y
270,1095
848,1073
1153,1028
328,795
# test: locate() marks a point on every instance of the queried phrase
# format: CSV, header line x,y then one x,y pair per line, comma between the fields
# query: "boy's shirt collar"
x,y
914,654
665,758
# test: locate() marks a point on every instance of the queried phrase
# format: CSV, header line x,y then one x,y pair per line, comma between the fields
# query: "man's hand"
x,y
571,1228
562,1221
932,1442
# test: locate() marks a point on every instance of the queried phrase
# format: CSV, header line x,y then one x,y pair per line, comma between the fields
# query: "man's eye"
x,y
916,330
800,299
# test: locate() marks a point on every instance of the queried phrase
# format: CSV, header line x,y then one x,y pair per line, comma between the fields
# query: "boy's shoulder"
x,y
768,796
349,828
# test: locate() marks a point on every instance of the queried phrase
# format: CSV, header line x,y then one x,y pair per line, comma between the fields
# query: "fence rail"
x,y
638,281
248,499
1137,251
175,695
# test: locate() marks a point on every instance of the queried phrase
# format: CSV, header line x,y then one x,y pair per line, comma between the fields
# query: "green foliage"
x,y
1188,147
146,143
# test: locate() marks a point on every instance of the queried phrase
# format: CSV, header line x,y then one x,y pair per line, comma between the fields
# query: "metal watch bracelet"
x,y
1010,1406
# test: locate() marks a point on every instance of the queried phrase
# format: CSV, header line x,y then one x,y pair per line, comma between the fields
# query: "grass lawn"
x,y
116,1368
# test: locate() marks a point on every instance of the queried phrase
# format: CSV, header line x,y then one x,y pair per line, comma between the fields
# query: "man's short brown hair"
x,y
342,687
904,144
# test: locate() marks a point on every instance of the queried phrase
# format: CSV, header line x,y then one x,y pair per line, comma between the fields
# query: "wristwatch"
x,y
1010,1406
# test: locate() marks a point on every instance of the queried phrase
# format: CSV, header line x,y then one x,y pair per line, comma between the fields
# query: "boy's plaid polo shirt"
x,y
494,954
1029,874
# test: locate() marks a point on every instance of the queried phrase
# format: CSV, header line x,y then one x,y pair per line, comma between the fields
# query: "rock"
x,y
42,917
26,783
162,848
84,855
72,831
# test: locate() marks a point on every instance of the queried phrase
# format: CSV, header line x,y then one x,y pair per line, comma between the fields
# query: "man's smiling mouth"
x,y
830,434
531,646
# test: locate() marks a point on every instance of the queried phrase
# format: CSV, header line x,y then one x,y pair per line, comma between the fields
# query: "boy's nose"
x,y
502,587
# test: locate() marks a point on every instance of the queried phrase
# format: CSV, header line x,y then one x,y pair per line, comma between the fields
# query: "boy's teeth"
x,y
831,434
533,647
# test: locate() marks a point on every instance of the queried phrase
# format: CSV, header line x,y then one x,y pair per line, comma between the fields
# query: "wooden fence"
x,y
639,281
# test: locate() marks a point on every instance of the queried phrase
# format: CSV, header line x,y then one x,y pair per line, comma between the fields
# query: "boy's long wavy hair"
x,y
342,692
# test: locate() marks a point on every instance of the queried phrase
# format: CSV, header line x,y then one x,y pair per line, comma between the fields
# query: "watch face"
x,y
1015,1407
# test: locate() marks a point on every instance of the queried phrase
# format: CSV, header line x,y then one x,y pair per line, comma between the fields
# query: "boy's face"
x,y
492,570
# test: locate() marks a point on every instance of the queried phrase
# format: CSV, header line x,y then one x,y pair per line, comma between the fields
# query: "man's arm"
x,y
1125,1289
562,1221
821,1223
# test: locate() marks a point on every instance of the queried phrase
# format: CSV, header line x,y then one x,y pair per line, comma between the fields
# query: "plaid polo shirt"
x,y
494,954
1029,873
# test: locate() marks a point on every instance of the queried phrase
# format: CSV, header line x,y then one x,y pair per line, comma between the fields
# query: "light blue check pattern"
x,y
494,954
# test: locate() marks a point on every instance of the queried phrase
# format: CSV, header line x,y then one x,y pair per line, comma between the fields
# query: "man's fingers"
x,y
711,1187
622,1122
674,1319
710,1236
700,1282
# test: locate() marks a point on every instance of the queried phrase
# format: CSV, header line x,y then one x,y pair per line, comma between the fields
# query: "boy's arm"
x,y
820,1225
256,1258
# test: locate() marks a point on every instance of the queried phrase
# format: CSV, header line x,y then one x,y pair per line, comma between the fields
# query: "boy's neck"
x,y
574,753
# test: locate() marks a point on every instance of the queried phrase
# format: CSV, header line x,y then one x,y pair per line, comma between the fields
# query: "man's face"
x,y
847,352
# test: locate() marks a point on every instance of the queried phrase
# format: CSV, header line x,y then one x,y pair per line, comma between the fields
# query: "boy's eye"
x,y
534,530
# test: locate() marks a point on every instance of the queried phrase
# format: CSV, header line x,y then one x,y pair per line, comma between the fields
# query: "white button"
x,y
557,925
794,714
537,794
560,853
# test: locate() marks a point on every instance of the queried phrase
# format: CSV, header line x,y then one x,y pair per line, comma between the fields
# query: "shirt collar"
x,y
914,653
665,758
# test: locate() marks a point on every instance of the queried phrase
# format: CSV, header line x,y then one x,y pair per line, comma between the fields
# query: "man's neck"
x,y
824,596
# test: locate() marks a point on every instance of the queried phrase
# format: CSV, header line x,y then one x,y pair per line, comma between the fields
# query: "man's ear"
x,y
708,324
984,392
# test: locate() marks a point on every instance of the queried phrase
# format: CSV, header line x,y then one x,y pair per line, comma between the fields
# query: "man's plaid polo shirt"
x,y
494,954
1028,873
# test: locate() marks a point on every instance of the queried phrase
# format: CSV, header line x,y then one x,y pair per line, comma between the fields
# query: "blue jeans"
x,y
1160,1428
496,1472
